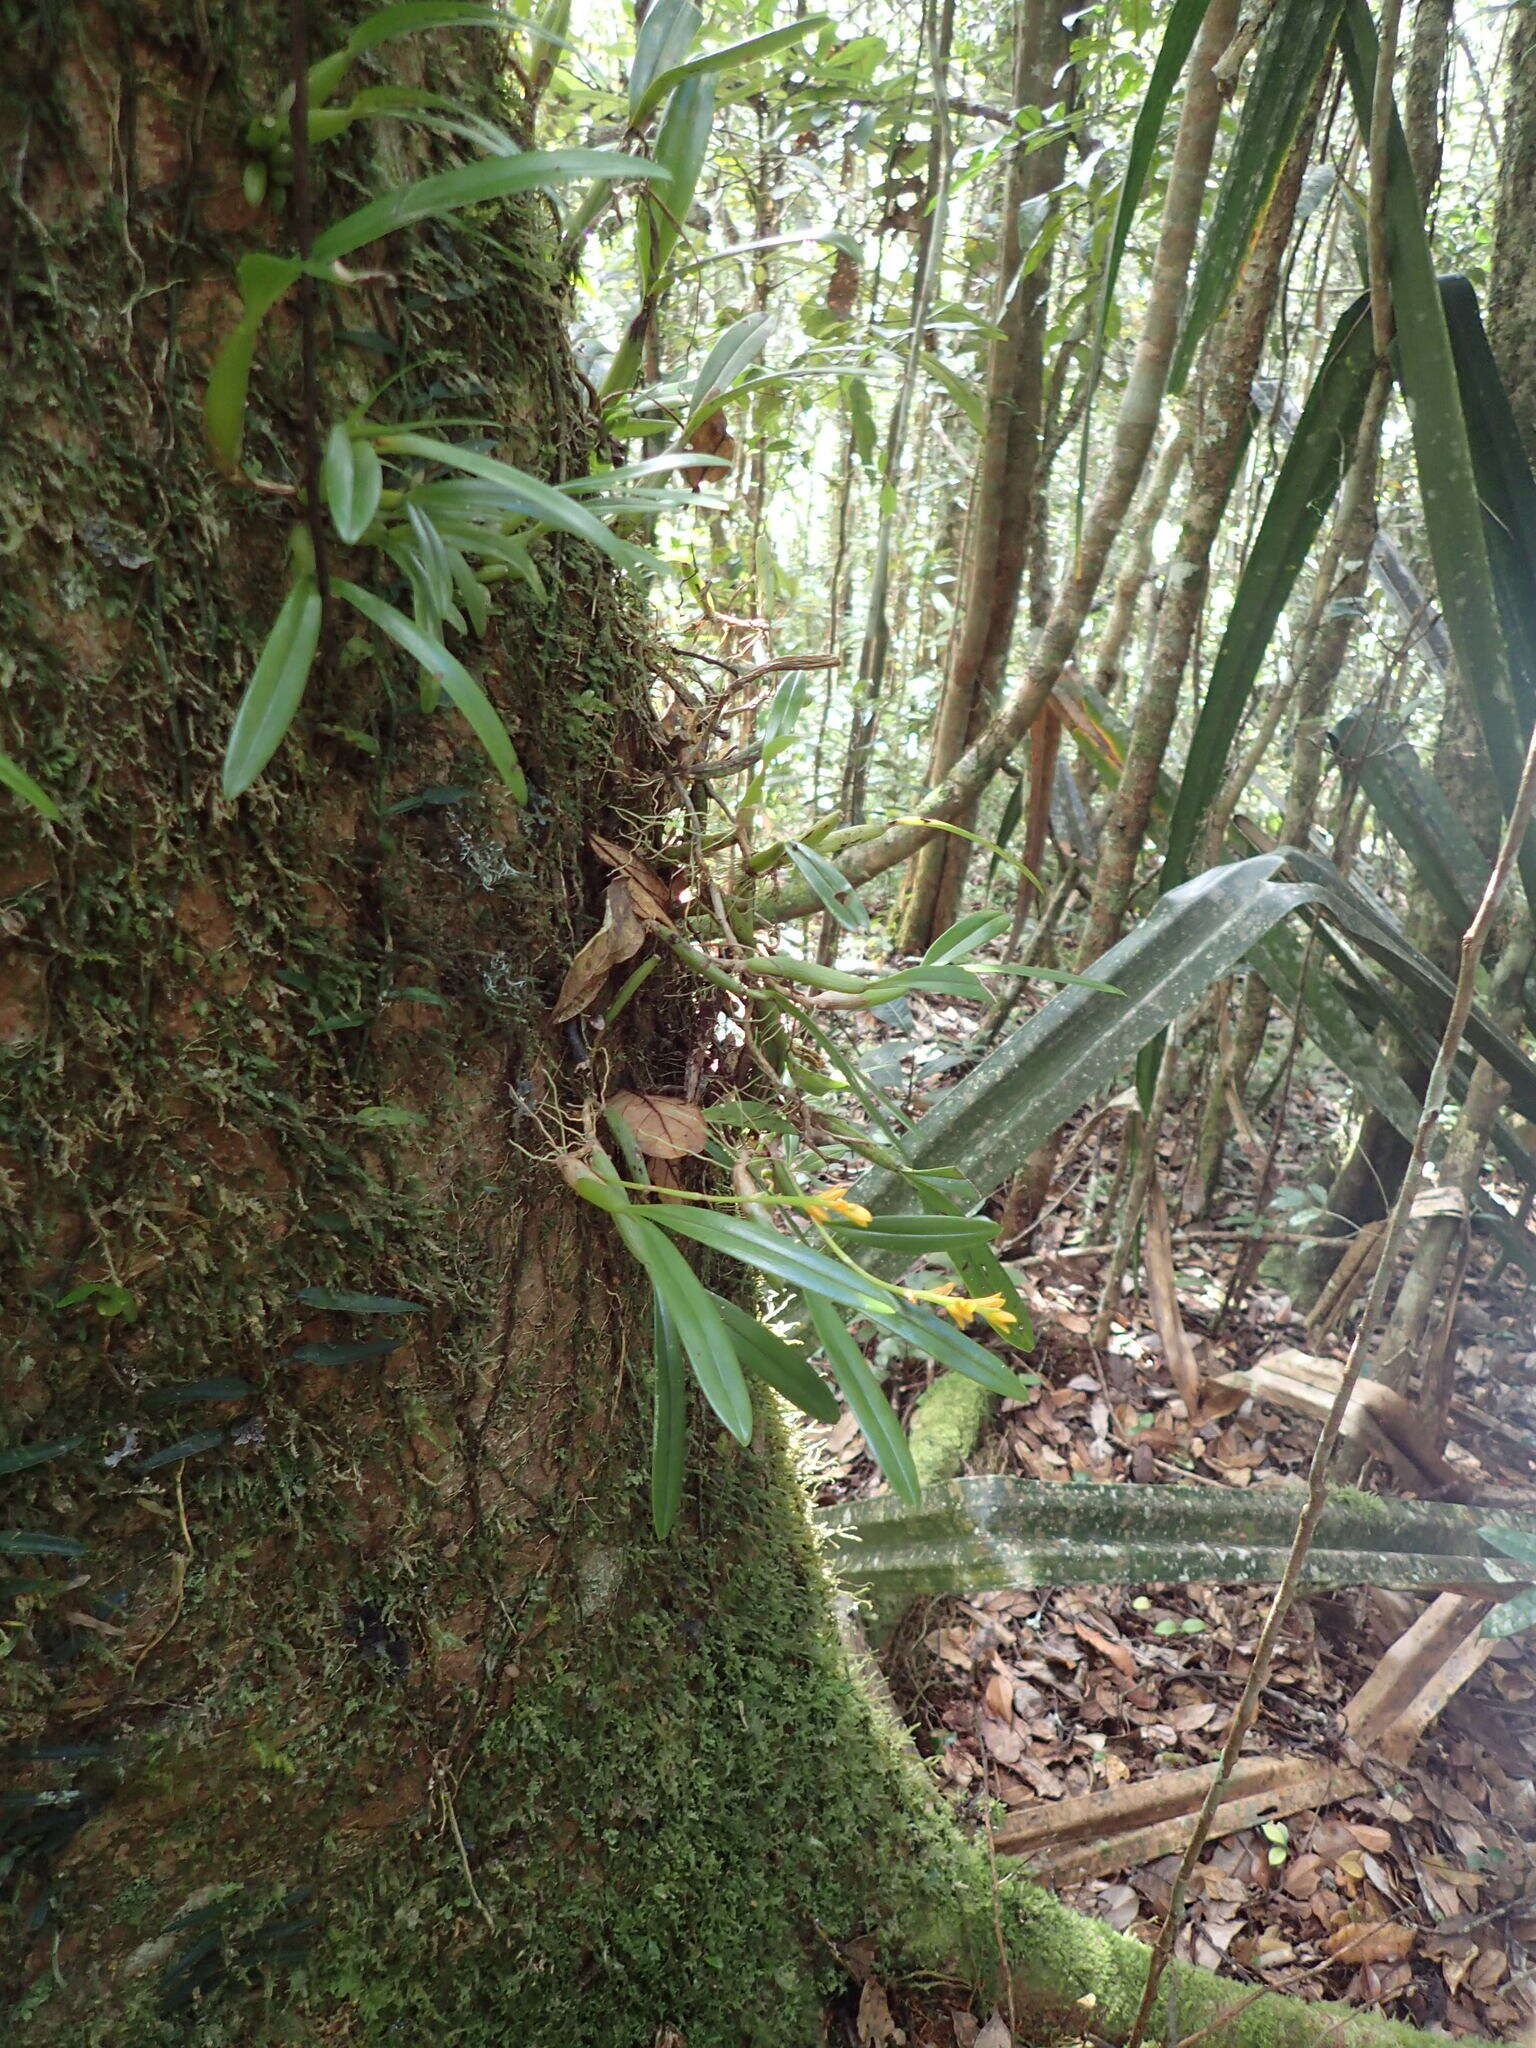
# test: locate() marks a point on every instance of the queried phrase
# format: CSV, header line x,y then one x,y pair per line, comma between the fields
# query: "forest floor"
x,y
1416,1899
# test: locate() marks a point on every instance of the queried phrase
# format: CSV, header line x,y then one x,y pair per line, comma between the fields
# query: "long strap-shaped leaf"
x,y
1387,946
1309,477
692,1313
1418,814
669,1420
1083,1038
21,784
1415,810
1184,21
1506,490
811,1273
479,713
865,1396
1296,47
1448,485
996,1534
785,1367
472,185
273,694
525,494
1343,1038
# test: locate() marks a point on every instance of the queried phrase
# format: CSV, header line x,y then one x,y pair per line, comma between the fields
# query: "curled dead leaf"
x,y
1119,1654
618,939
648,890
876,2027
664,1127
710,437
1000,1696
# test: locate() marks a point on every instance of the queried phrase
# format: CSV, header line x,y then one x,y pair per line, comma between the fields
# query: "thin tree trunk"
x,y
1001,518
1224,403
1409,1345
875,651
1108,665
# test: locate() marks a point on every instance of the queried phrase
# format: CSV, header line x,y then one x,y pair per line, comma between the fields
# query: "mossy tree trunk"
x,y
382,1717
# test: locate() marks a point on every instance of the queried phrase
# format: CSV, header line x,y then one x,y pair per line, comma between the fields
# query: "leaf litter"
x,y
1416,1895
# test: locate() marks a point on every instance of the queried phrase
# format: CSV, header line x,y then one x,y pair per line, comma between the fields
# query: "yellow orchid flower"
x,y
963,1308
830,1202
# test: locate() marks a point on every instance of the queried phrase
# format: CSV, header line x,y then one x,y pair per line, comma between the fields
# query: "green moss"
x,y
946,1423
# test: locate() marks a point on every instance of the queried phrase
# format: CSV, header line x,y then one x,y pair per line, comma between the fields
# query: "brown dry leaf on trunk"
x,y
619,938
665,1127
1163,1298
843,285
649,898
876,2027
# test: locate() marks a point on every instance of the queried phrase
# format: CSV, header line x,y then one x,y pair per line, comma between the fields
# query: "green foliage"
x,y
1314,462
276,688
20,783
1296,48
1516,1615
1001,1534
1031,1083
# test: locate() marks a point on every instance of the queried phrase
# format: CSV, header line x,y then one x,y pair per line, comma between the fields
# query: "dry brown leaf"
x,y
1119,1654
1371,1941
1303,1876
586,977
843,285
1163,1299
664,1126
712,437
1002,1741
1000,1696
650,892
995,2033
1185,1720
620,937
876,2027
1377,1841
1045,1783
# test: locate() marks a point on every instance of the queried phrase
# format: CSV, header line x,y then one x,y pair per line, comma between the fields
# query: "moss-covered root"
x,y
946,1424
1060,1958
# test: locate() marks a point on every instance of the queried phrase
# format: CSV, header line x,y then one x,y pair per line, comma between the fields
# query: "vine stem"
x,y
303,225
1474,939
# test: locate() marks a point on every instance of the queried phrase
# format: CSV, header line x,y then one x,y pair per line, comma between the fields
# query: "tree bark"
x,y
1222,406
380,1716
1001,517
